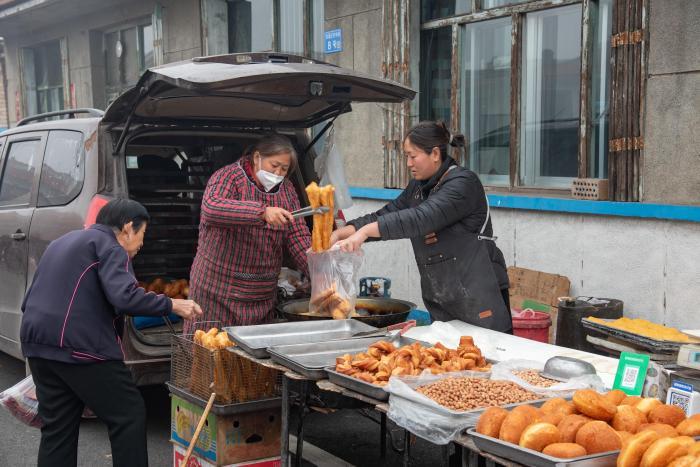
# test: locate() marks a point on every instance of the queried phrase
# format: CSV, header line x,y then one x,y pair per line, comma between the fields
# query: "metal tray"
x,y
256,339
646,342
537,459
357,385
226,409
311,360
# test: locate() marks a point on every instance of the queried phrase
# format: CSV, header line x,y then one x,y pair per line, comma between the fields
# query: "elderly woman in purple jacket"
x,y
71,335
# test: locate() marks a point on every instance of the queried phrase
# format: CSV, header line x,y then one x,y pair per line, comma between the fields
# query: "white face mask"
x,y
268,179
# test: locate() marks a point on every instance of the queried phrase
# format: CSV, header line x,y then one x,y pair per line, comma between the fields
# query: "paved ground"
x,y
349,435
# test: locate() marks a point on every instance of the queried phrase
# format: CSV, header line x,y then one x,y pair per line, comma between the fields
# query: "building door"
x,y
19,167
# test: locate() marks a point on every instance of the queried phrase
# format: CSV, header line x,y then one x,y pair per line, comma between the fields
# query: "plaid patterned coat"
x,y
239,256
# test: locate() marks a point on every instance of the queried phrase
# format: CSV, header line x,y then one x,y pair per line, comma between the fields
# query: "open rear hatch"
x,y
257,89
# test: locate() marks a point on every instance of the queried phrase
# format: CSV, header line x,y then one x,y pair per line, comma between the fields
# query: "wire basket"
x,y
201,371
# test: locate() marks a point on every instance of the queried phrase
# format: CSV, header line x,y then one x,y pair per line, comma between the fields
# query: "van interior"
x,y
167,172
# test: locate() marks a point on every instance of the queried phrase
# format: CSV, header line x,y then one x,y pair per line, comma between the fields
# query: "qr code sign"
x,y
629,377
681,400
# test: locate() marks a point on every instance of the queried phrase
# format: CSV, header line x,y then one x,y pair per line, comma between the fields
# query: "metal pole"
x,y
285,422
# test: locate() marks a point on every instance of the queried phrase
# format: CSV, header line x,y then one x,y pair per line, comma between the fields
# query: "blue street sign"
x,y
333,41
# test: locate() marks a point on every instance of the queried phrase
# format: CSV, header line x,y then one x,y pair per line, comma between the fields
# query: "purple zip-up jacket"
x,y
84,285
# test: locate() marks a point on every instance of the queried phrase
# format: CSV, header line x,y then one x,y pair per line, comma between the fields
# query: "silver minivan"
x,y
158,143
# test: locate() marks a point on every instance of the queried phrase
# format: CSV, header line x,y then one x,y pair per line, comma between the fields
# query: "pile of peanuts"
x,y
533,377
463,393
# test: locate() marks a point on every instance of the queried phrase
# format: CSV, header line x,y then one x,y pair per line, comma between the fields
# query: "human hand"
x,y
186,309
341,234
277,216
353,242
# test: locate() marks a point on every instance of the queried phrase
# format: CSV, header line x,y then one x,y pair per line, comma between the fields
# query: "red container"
x,y
532,325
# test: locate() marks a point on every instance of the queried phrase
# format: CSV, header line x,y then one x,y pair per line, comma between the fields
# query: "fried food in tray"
x,y
383,360
642,327
666,441
179,288
322,223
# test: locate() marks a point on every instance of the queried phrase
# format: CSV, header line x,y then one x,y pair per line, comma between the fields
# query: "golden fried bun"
x,y
668,414
490,421
685,461
631,400
590,403
531,412
564,450
694,449
662,452
661,428
554,418
631,454
598,436
513,426
569,426
647,404
625,437
689,427
686,441
538,436
557,405
615,396
628,418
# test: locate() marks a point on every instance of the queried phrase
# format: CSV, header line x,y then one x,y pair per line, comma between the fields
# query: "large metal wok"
x,y
378,312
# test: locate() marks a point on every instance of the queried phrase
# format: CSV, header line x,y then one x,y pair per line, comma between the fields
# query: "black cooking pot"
x,y
375,311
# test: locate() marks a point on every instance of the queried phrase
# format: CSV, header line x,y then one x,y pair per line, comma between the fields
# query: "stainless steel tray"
x,y
654,345
226,409
256,339
537,459
310,360
357,385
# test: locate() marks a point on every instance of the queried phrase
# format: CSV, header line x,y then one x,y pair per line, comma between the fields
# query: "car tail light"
x,y
96,204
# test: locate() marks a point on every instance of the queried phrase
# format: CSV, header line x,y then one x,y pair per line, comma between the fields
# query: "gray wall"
x,y
672,142
181,37
359,134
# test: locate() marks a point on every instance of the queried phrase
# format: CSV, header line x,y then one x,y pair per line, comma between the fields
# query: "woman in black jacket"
x,y
445,213
71,335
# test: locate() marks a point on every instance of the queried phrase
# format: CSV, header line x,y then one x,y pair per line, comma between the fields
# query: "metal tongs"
x,y
309,211
382,332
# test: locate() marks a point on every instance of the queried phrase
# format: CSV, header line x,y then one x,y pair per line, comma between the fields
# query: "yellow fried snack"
x,y
646,328
323,223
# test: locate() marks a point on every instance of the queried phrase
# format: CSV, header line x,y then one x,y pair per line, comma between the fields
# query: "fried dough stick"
x,y
313,192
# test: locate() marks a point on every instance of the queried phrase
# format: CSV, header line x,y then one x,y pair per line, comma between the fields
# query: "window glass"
x,y
130,56
486,48
434,9
486,4
318,28
18,174
550,97
42,71
600,87
242,15
146,46
62,172
291,17
111,59
435,74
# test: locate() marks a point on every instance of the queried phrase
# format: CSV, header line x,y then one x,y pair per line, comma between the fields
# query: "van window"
x,y
63,170
18,175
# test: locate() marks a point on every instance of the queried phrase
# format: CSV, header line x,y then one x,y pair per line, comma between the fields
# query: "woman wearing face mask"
x,y
444,211
245,228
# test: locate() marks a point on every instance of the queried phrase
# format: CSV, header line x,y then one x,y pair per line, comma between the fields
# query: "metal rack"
x,y
173,198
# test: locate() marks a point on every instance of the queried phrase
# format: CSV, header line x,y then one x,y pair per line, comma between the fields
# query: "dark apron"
x,y
457,277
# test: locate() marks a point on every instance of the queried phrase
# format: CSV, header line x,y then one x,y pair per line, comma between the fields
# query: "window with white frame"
x,y
514,81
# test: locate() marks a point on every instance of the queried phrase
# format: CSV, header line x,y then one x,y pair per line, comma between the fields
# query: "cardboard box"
x,y
227,439
542,287
196,461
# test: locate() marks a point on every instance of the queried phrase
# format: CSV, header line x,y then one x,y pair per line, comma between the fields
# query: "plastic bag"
x,y
329,166
504,371
21,401
334,278
423,416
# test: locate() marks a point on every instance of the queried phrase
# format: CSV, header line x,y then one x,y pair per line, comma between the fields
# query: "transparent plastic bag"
x,y
423,416
504,371
21,401
329,166
334,279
